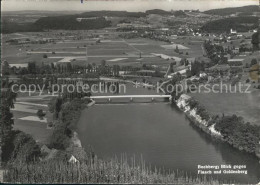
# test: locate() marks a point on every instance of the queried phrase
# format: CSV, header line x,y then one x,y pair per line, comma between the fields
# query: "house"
x,y
233,31
73,159
236,61
236,50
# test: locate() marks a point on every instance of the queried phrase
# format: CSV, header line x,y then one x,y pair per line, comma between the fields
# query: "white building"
x,y
233,31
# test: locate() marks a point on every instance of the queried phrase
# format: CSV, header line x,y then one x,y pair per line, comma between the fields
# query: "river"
x,y
162,134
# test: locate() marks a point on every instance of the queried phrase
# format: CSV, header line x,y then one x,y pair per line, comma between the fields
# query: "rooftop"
x,y
236,59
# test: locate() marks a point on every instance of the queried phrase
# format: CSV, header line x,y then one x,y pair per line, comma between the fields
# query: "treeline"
x,y
112,14
12,27
66,114
15,146
239,134
69,22
241,24
229,11
163,12
158,12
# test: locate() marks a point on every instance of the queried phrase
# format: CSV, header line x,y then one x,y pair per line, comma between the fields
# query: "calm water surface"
x,y
162,135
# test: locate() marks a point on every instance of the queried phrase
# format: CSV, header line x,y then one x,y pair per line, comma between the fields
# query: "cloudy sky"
x,y
128,5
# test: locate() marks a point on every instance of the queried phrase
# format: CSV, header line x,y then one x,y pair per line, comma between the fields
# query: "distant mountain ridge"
x,y
229,11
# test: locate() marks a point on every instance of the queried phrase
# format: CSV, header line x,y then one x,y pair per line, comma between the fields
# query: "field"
x,y
26,120
112,49
245,105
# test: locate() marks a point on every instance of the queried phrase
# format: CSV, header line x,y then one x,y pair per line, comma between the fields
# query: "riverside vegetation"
x,y
230,128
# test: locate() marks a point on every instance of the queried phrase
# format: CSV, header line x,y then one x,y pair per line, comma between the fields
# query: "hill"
x,y
12,27
69,22
158,12
229,11
98,21
112,14
240,24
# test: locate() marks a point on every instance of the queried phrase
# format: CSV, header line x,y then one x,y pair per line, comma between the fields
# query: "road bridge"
x,y
131,97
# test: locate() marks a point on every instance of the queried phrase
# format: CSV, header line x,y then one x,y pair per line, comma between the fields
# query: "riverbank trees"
x,y
239,134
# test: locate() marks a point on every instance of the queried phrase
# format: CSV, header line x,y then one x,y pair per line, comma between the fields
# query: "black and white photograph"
x,y
130,92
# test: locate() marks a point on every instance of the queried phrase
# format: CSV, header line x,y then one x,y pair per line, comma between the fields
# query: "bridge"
x,y
131,97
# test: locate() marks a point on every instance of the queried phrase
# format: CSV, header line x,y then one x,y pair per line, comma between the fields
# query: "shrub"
x,y
23,148
40,113
59,138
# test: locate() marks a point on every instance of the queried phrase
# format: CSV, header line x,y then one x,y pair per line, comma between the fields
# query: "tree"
x,y
40,113
188,73
89,67
103,63
32,68
195,68
177,49
171,67
5,68
45,56
69,67
253,61
6,122
256,41
25,148
55,106
186,62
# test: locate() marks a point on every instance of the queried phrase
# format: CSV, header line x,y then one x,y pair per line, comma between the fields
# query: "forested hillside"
x,y
228,11
238,23
69,22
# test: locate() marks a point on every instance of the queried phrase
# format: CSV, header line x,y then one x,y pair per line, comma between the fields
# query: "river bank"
x,y
76,142
195,118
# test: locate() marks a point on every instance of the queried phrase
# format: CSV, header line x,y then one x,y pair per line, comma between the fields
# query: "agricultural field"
x,y
26,119
112,49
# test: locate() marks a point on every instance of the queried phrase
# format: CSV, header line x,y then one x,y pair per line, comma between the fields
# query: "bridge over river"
x,y
131,97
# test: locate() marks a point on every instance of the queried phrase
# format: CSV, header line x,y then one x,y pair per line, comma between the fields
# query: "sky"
x,y
127,5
